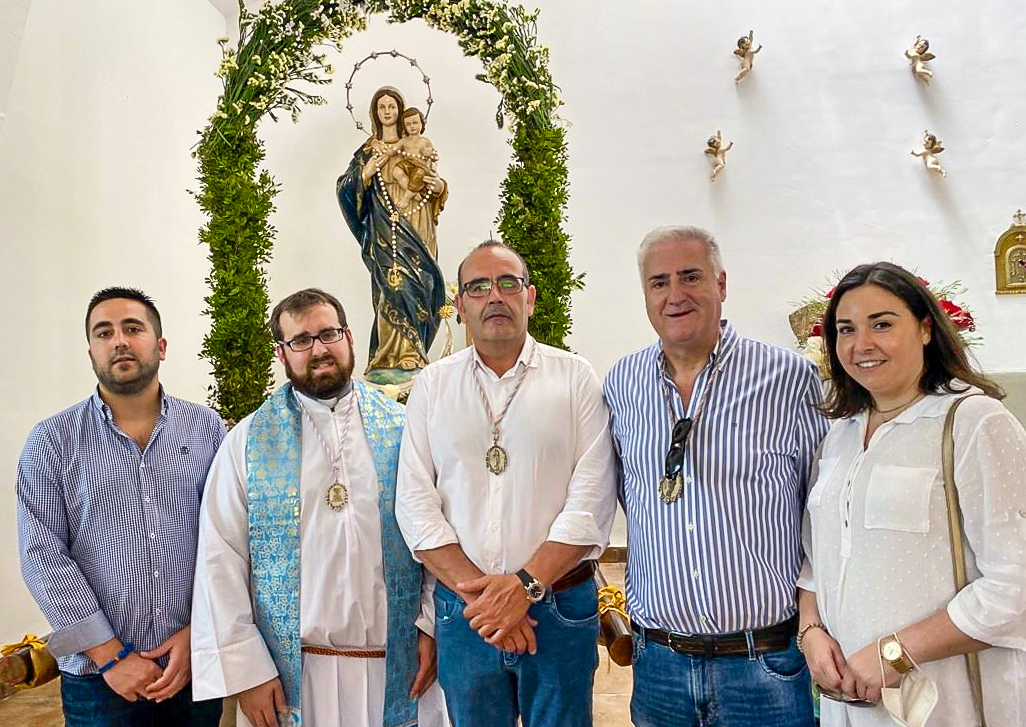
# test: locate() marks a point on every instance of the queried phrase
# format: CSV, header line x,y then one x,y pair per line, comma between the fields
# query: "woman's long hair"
x,y
944,356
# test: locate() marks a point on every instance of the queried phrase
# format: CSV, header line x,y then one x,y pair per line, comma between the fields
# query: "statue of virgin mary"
x,y
399,247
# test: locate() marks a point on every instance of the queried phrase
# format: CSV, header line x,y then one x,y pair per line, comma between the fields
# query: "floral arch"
x,y
278,47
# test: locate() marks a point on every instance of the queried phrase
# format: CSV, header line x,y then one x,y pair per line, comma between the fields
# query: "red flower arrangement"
x,y
808,319
962,318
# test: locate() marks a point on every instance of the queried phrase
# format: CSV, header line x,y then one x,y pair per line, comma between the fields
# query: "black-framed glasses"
x,y
506,284
304,342
675,454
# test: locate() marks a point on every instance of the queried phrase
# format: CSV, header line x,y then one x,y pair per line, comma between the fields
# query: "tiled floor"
x,y
41,707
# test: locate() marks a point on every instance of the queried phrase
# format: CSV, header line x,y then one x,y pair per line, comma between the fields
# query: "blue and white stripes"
x,y
108,533
726,555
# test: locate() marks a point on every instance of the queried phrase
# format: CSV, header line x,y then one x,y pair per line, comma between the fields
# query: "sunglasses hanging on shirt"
x,y
672,484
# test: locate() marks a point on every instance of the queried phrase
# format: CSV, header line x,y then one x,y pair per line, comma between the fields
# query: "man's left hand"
x,y
862,674
428,665
500,603
178,671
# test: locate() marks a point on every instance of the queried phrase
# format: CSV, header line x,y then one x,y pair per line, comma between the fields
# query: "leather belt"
x,y
351,653
575,577
771,638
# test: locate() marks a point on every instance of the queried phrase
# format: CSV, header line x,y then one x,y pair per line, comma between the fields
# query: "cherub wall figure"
x,y
746,53
931,147
714,148
917,56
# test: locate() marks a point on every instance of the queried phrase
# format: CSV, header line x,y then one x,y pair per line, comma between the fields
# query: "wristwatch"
x,y
534,588
893,652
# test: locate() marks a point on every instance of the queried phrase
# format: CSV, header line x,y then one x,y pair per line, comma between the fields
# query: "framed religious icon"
x,y
1010,258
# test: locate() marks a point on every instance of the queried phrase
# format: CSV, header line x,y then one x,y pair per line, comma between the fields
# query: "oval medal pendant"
x,y
337,496
670,488
395,277
496,459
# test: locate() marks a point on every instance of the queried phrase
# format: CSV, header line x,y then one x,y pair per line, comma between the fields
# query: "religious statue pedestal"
x,y
397,383
394,383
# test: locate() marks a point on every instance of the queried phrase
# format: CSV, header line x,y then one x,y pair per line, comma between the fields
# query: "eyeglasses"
x,y
675,454
304,342
507,285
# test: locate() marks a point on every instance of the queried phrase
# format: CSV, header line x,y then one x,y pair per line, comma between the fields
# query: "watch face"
x,y
891,651
535,591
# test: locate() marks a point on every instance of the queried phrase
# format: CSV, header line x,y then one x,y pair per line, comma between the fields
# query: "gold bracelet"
x,y
805,629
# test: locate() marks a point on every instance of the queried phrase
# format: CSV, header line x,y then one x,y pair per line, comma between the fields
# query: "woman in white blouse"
x,y
878,566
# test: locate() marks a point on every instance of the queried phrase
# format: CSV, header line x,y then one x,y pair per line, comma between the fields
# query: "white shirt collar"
x,y
314,404
524,358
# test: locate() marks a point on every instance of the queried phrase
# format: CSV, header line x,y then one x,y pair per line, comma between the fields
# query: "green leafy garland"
x,y
276,50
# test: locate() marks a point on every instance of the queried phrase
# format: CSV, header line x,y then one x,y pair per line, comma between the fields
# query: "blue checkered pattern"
x,y
107,532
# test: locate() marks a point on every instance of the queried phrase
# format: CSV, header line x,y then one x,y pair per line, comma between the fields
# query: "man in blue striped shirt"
x,y
715,435
108,512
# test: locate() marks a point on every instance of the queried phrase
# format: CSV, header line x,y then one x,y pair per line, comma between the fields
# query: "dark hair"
x,y
376,122
944,356
492,243
408,113
301,301
118,293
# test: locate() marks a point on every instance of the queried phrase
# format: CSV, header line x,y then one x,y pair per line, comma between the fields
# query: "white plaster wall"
x,y
106,96
104,101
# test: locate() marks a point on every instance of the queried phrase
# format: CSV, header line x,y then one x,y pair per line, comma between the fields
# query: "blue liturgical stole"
x,y
273,457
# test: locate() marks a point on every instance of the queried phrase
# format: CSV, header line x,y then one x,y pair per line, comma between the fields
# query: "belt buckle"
x,y
678,643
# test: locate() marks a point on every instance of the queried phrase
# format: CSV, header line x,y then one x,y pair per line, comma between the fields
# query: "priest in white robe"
x,y
307,604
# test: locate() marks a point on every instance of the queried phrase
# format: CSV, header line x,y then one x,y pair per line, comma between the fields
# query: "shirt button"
x,y
156,611
156,574
691,526
495,527
142,465
694,573
146,499
153,535
689,479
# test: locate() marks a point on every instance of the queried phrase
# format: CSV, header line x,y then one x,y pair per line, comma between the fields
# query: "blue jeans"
x,y
485,687
89,702
753,690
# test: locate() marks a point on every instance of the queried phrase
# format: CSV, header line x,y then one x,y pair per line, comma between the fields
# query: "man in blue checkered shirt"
x,y
108,507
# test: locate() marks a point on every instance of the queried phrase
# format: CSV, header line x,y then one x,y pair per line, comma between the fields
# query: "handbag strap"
x,y
972,660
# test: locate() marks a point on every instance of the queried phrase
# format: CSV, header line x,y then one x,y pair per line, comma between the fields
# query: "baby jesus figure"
x,y
418,159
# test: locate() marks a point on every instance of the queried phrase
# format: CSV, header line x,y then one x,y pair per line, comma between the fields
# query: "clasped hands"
x,y
858,677
137,676
497,609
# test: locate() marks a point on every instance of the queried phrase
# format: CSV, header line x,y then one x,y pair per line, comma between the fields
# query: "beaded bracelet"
x,y
125,651
805,629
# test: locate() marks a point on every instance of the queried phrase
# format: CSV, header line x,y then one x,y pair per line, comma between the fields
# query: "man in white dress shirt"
x,y
506,493
330,637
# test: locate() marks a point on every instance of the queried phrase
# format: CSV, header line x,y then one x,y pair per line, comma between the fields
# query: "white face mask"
x,y
912,702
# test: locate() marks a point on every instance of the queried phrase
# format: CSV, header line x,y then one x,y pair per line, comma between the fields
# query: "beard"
x,y
325,384
127,384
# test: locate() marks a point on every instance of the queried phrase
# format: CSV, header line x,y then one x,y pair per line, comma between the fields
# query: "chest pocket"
x,y
898,498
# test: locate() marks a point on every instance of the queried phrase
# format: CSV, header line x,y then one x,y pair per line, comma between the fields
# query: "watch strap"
x,y
903,664
526,578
